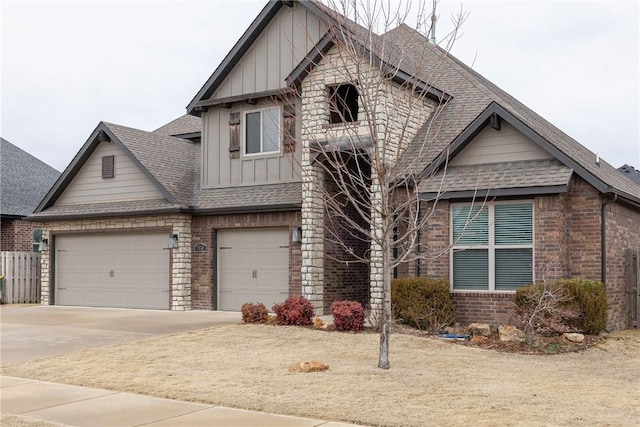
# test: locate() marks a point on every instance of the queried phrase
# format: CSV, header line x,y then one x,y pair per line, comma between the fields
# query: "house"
x,y
213,214
25,181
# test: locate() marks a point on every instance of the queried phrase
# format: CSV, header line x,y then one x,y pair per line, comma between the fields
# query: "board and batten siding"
x,y
497,146
219,170
128,183
283,44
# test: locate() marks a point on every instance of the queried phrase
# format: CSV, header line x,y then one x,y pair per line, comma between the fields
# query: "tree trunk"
x,y
383,358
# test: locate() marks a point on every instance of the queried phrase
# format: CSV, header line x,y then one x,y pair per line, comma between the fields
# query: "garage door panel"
x,y
253,266
112,270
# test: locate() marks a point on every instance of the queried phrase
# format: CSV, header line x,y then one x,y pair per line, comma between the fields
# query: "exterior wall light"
x,y
44,245
296,234
173,241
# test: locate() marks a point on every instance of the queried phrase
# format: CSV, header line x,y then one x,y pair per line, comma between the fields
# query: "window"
x,y
343,104
492,246
262,131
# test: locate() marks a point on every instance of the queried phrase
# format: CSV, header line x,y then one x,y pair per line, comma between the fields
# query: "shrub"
x,y
347,316
563,305
294,311
423,303
254,313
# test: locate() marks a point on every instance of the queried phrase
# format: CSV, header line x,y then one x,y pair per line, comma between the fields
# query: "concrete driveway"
x,y
29,332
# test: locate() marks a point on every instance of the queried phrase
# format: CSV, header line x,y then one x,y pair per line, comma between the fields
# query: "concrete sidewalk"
x,y
82,406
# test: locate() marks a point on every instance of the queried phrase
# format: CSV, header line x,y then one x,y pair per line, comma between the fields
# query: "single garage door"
x,y
112,270
253,266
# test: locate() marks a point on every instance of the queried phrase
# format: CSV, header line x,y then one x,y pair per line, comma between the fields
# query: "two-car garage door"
x,y
128,270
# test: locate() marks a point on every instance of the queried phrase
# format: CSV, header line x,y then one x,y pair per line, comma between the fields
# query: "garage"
x,y
253,266
128,270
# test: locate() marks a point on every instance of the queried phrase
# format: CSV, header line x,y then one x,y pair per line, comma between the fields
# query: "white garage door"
x,y
253,266
112,270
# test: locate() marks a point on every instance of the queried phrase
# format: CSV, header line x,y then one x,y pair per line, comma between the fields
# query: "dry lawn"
x,y
431,382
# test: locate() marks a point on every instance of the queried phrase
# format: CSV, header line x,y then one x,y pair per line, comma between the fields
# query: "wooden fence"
x,y
21,283
633,288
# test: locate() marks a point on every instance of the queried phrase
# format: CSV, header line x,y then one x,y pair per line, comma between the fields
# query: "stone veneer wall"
x,y
17,235
567,244
204,264
400,115
623,232
180,268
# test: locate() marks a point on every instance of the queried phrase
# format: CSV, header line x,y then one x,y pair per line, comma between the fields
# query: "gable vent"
x,y
108,166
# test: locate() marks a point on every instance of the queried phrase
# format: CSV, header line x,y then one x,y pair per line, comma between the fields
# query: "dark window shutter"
x,y
234,135
289,125
108,166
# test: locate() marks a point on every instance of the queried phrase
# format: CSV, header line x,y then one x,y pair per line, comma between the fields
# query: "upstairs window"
x,y
492,246
343,103
262,131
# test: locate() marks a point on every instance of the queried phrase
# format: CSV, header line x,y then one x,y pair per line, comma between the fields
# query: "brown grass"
x,y
431,382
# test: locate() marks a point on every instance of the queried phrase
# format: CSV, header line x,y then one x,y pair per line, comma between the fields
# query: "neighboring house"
x,y
212,215
631,173
24,181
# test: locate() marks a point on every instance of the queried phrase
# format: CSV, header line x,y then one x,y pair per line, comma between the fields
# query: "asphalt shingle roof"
x,y
107,208
24,180
494,176
287,194
183,125
631,173
472,94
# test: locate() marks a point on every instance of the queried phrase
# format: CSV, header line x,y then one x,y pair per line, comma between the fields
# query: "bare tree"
x,y
362,169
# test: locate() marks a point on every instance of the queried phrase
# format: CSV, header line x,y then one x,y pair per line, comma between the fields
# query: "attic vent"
x,y
107,166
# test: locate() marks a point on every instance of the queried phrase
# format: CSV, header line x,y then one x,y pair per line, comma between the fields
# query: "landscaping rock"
x,y
479,329
577,338
510,333
308,366
479,339
318,323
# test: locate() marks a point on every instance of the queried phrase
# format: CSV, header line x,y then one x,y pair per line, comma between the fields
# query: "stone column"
x,y
376,275
181,265
313,234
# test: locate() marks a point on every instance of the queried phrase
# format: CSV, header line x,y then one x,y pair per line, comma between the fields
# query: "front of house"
x,y
222,206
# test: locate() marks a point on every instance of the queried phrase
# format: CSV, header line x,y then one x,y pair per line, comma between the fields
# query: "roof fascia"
x,y
246,209
482,121
41,218
236,53
499,192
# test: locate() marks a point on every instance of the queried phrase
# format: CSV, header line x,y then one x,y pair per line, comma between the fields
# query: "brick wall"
x,y
344,277
180,267
622,232
567,236
203,263
17,235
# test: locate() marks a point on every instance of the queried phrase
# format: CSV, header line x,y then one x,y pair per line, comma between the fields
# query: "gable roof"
x,y
183,126
474,97
24,180
168,162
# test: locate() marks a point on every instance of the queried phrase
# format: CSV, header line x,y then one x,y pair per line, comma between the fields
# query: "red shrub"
x,y
348,316
254,313
294,311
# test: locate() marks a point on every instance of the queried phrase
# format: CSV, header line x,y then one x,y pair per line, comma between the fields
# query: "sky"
x,y
67,65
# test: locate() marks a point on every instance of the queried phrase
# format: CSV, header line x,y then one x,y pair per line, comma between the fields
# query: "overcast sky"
x,y
68,65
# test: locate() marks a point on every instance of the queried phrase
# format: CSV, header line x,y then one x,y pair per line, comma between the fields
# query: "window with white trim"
x,y
262,131
492,246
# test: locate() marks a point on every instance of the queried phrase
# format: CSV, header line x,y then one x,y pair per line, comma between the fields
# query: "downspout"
x,y
603,239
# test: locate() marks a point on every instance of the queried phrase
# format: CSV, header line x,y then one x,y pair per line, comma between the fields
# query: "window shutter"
x,y
107,166
234,135
289,129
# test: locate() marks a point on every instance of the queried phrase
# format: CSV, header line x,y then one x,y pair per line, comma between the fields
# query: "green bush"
x,y
574,304
423,303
